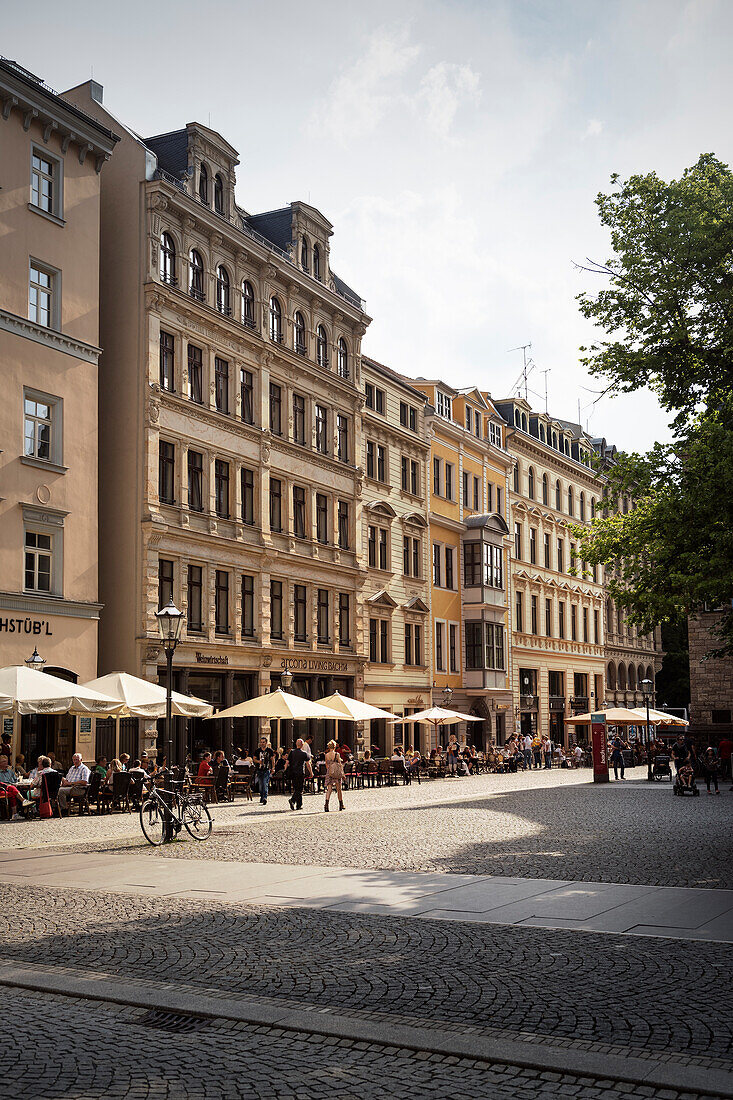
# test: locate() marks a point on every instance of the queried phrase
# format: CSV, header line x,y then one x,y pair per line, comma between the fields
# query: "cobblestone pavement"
x,y
108,1051
568,985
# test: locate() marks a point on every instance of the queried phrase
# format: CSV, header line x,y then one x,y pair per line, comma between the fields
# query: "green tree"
x,y
667,310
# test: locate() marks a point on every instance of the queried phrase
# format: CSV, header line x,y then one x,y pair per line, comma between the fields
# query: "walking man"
x,y
298,763
264,763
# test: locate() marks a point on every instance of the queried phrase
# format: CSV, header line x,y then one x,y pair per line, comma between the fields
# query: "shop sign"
x,y
8,725
85,725
26,626
600,748
313,664
211,659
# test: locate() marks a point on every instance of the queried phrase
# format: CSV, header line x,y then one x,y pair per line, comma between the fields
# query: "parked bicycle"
x,y
164,813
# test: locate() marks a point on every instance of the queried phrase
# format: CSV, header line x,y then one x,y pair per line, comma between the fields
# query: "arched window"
x,y
650,675
570,500
611,676
592,507
545,490
196,275
316,262
223,295
530,483
567,446
343,359
625,505
524,422
299,333
582,507
218,194
248,304
639,675
276,321
515,476
304,254
542,433
554,440
204,185
622,677
517,418
632,678
558,496
167,259
321,346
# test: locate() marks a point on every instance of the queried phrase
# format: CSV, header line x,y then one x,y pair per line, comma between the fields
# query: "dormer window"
x,y
316,262
299,333
524,422
304,254
477,424
494,434
542,433
517,418
204,185
218,194
469,418
554,440
444,406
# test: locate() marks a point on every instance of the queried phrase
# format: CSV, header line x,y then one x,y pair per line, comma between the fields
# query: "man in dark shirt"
x,y
264,759
297,761
680,752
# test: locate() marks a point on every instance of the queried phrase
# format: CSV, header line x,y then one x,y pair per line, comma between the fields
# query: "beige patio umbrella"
x,y
439,716
660,717
355,709
28,691
145,699
615,716
281,705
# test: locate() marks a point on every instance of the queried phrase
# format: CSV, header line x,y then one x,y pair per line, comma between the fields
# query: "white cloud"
x,y
594,128
443,91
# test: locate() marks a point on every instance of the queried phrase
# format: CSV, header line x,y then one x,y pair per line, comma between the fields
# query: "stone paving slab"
x,y
674,912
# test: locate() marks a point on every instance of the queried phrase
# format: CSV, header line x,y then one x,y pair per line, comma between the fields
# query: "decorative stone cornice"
x,y
29,330
49,605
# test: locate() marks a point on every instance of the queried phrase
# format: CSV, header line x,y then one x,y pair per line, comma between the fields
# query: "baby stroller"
x,y
681,788
661,769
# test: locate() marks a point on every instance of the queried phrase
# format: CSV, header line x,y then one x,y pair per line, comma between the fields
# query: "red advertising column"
x,y
600,748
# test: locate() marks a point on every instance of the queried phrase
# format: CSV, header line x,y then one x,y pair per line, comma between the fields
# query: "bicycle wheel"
x,y
151,822
197,819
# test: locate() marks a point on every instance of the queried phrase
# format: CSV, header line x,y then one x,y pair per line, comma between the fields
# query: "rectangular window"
x,y
476,494
383,556
494,434
547,551
561,618
436,477
299,419
221,385
372,548
548,618
221,601
519,613
40,428
42,307
321,429
437,572
489,496
518,541
408,416
194,617
466,501
574,622
453,647
321,518
39,562
417,643
370,458
533,545
449,480
414,479
495,647
381,463
444,405
384,641
533,614
596,630
165,582
248,606
46,183
408,643
404,474
248,496
221,488
378,400
276,609
343,524
300,613
167,350
196,374
246,393
299,511
373,628
477,425
342,438
275,409
276,504
440,646
474,645
322,616
493,566
449,552
195,481
369,394
344,619
499,498
560,555
406,555
585,624
472,564
166,471
469,418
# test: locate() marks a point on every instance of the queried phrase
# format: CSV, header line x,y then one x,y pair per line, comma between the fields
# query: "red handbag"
x,y
44,803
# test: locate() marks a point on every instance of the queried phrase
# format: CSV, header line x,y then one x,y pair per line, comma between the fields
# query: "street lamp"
x,y
35,661
286,677
647,687
170,621
447,695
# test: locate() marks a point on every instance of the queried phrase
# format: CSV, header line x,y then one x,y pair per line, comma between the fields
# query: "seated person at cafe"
x,y
8,779
75,782
20,768
205,768
125,761
99,766
137,769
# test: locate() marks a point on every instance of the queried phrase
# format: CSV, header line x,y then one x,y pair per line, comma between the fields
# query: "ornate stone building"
x,y
230,406
711,680
394,545
558,632
51,154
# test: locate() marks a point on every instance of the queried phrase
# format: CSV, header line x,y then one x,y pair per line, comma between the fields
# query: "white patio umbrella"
x,y
281,705
30,692
615,716
145,699
439,716
660,717
355,709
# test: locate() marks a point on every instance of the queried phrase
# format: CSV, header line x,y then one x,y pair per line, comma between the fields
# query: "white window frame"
x,y
494,434
56,405
57,204
444,405
54,293
39,521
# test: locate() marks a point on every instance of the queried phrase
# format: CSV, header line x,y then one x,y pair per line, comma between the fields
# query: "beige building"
x,y
394,546
557,605
230,399
51,155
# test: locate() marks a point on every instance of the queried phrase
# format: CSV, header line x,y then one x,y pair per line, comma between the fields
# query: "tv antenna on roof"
x,y
525,364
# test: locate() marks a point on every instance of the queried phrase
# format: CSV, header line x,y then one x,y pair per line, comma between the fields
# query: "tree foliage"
x,y
667,309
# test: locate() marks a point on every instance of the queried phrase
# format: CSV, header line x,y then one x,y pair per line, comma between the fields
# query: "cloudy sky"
x,y
456,146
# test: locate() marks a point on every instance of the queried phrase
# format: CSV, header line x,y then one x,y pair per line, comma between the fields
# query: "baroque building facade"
x,y
230,406
51,155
